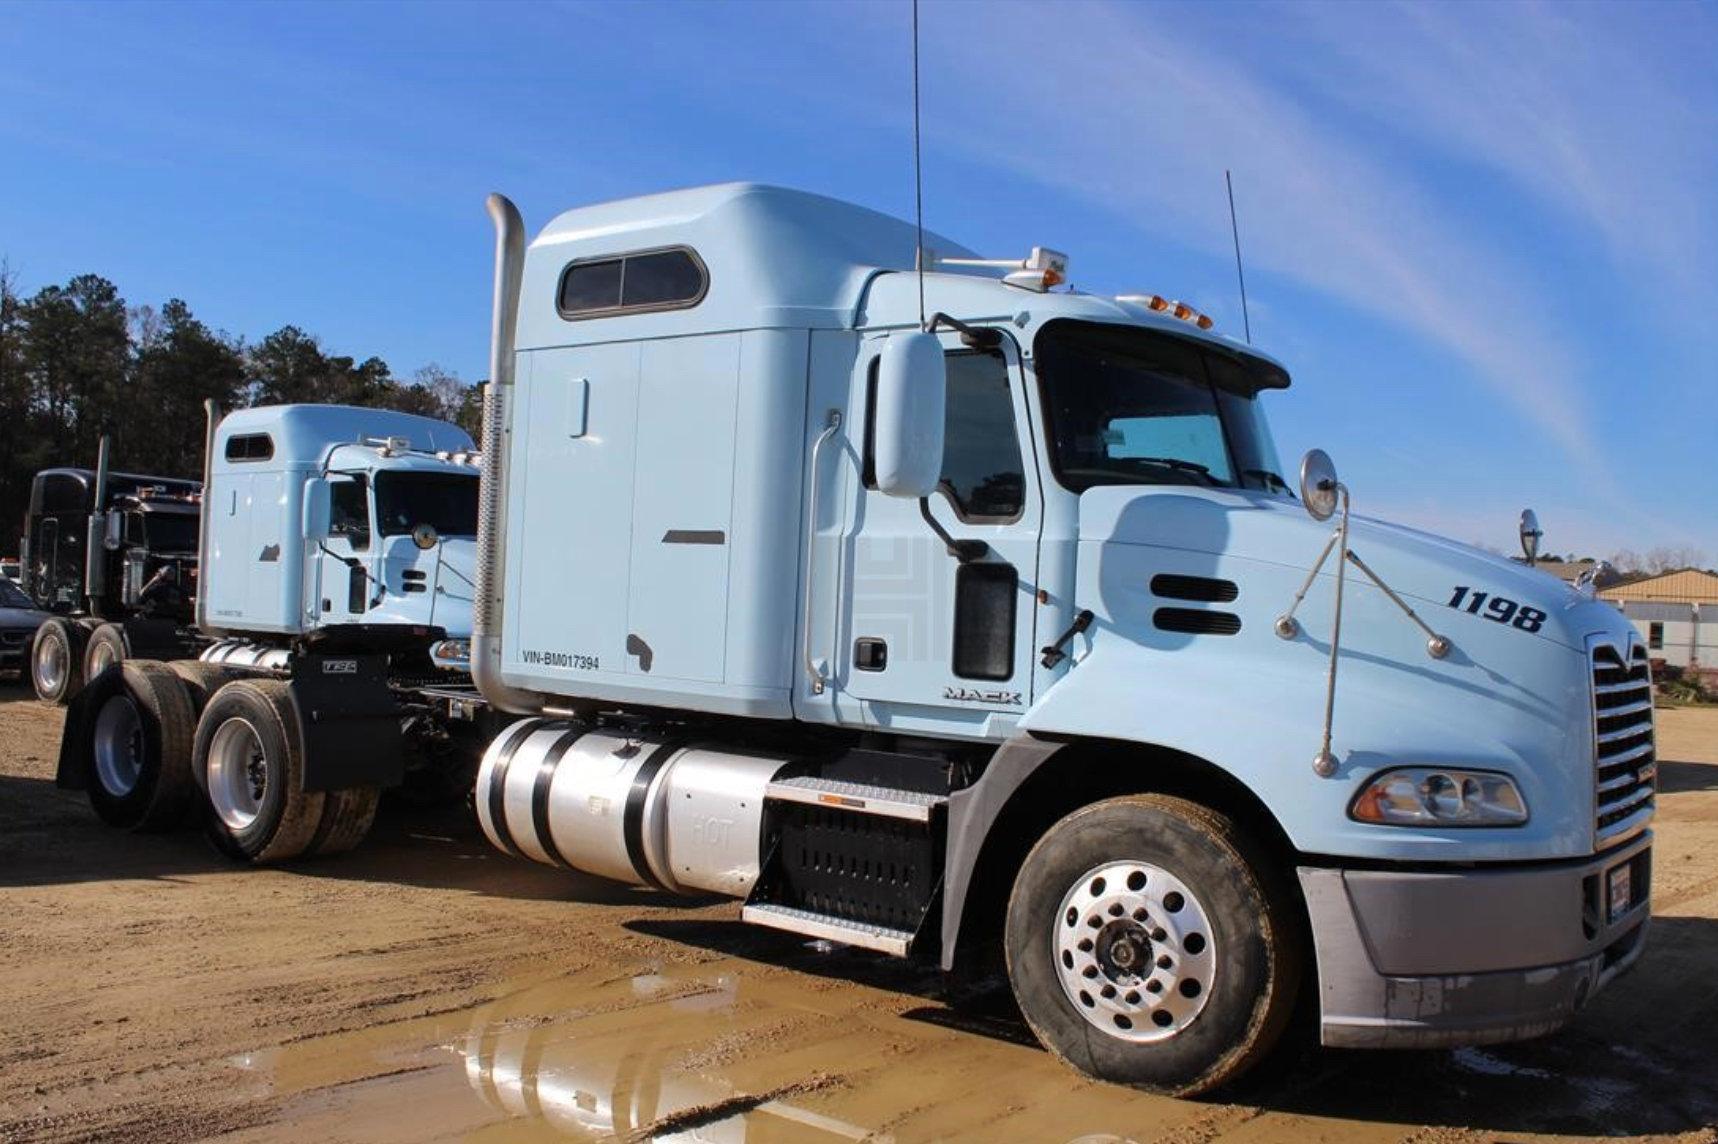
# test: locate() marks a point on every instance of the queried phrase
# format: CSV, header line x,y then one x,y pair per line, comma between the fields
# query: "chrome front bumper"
x,y
1416,959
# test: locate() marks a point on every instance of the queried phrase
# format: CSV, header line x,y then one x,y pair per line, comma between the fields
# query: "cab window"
x,y
982,469
349,512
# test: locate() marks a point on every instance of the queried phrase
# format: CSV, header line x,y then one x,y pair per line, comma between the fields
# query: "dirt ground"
x,y
427,987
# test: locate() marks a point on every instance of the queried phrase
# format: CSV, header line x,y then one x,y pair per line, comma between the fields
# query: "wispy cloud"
x,y
1140,119
1562,100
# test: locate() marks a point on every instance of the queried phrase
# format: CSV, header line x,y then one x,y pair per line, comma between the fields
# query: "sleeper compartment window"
x,y
670,279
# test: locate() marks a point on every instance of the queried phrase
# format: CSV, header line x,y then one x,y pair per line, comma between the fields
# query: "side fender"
x,y
972,811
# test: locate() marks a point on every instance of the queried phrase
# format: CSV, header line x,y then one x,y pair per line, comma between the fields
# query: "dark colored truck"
x,y
114,556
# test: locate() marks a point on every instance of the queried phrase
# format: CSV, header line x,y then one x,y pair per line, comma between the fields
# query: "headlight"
x,y
454,655
1439,796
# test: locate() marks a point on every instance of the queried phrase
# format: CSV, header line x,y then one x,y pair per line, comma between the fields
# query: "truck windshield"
x,y
1131,406
448,501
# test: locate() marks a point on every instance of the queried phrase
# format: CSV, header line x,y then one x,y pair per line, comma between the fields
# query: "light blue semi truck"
x,y
336,548
932,609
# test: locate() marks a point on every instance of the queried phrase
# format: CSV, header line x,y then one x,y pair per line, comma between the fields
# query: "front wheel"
x,y
1147,947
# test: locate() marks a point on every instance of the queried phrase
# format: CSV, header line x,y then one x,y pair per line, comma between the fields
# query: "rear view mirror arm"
x,y
965,551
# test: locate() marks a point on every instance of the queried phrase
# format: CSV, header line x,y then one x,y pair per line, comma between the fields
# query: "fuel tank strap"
x,y
636,797
540,794
498,785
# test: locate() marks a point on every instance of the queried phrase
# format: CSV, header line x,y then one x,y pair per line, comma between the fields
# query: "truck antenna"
x,y
1235,232
918,176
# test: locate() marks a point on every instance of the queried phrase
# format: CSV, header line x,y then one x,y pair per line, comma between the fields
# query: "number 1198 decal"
x,y
1497,609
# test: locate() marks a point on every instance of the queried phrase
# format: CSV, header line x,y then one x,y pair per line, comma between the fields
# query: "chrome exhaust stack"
x,y
200,600
492,496
95,533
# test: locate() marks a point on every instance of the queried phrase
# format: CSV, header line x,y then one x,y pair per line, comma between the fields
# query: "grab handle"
x,y
812,673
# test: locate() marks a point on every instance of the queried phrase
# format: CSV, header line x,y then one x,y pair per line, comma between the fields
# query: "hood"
x,y
13,618
429,586
1436,575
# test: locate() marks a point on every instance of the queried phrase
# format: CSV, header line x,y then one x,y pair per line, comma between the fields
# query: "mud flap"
x,y
72,773
348,722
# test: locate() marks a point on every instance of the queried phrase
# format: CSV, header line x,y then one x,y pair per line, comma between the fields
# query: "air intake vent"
x,y
1195,621
1172,586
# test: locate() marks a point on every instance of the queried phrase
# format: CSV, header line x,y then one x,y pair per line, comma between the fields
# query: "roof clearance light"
x,y
1042,269
1157,303
1038,271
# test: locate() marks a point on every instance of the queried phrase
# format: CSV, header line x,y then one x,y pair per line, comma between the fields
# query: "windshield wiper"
x,y
1268,477
1179,465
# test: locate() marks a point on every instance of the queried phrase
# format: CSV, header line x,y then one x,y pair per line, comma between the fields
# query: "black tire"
x,y
105,647
202,680
1250,960
346,818
251,765
138,747
57,661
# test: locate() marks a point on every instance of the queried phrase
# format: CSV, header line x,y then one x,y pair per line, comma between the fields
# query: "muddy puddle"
x,y
722,1052
731,1050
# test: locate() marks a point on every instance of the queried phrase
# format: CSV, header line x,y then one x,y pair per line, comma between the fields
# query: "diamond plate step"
x,y
915,806
897,943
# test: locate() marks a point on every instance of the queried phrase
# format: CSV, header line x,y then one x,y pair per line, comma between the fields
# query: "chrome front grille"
x,y
16,638
1627,767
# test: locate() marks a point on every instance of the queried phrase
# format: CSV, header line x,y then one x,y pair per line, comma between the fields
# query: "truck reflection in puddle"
x,y
633,1085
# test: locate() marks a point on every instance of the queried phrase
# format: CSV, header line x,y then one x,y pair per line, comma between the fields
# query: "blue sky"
x,y
1483,237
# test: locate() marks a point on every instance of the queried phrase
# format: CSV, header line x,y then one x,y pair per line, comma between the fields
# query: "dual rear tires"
x,y
67,654
250,762
1149,945
152,762
138,744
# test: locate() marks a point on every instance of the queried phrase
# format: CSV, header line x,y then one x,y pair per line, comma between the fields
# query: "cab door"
x,y
344,590
937,631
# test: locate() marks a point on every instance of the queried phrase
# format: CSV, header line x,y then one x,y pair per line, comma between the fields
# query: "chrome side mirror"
x,y
1318,484
1531,534
424,535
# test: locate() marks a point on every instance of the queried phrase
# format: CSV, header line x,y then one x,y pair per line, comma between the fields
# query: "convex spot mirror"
x,y
1531,534
318,509
424,535
1318,484
912,390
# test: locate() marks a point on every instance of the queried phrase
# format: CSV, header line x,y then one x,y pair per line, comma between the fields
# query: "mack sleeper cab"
x,y
994,627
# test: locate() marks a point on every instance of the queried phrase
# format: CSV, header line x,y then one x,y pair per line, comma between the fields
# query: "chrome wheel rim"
x,y
1134,951
118,746
100,659
50,662
238,773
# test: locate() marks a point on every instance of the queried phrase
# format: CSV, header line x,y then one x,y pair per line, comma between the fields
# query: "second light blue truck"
x,y
336,556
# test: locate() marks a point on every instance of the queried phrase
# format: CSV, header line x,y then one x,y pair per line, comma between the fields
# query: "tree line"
x,y
77,362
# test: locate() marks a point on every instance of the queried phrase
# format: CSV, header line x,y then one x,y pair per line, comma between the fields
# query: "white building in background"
x,y
1676,614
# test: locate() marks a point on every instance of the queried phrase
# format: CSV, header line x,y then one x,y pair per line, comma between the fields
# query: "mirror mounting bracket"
x,y
973,337
965,551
